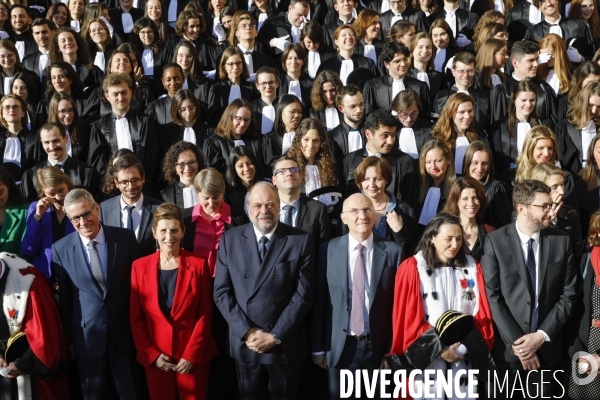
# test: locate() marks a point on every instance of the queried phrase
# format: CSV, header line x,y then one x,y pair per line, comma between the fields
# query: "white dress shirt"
x,y
423,77
397,87
440,57
523,129
247,58
43,63
352,257
8,80
354,141
189,135
234,93
100,61
370,53
555,28
288,138
190,198
332,118
136,214
20,45
587,135
296,32
535,15
451,20
282,212
12,151
294,89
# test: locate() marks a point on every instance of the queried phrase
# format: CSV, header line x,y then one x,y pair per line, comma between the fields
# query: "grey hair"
x,y
262,184
77,194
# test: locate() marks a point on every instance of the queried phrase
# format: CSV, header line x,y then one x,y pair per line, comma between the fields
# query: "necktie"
x,y
263,248
357,313
288,214
129,217
532,281
96,268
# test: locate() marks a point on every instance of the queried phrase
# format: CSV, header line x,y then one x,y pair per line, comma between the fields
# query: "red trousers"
x,y
168,385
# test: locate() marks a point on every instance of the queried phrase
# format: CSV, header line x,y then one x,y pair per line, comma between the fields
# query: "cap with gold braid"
x,y
16,346
453,326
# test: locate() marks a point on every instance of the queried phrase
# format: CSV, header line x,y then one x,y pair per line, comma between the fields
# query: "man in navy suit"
x,y
352,321
131,209
264,289
93,269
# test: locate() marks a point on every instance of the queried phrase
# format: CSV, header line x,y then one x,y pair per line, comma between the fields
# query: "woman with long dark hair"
x,y
188,122
587,72
146,37
100,43
26,88
186,56
9,66
422,65
59,14
295,80
312,39
156,11
62,110
491,58
324,99
288,115
62,78
243,171
444,43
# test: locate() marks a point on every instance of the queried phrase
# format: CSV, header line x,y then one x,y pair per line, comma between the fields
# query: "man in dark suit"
x,y
124,128
349,135
124,16
463,70
400,11
131,209
264,289
296,209
276,31
380,92
93,269
42,30
355,337
380,129
21,36
530,280
524,58
54,142
345,9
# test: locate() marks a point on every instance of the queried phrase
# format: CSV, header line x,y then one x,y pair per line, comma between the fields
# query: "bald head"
x,y
359,215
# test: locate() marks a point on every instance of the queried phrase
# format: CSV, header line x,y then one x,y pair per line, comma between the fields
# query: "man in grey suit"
x,y
530,279
131,209
352,321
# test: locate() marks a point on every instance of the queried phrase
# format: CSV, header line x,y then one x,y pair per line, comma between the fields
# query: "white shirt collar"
x,y
368,243
293,203
259,234
100,238
523,238
138,204
61,163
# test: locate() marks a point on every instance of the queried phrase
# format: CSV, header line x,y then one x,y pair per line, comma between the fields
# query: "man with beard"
x,y
530,279
131,209
349,135
524,58
380,131
42,31
380,92
264,289
20,21
53,139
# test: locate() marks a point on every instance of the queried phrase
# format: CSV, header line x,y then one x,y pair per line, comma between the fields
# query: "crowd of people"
x,y
215,199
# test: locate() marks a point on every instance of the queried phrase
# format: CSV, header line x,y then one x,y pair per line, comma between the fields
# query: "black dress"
x,y
167,280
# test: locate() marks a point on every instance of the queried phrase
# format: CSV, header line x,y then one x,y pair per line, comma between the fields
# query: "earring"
x,y
157,246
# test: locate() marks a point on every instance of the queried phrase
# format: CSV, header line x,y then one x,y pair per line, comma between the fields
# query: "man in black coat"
x,y
20,20
124,16
124,128
380,92
349,135
276,31
344,9
400,11
42,31
380,129
53,139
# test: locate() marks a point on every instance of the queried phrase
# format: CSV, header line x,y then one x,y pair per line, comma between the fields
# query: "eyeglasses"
x,y
191,164
8,108
191,109
240,119
247,26
282,171
545,207
355,211
63,113
265,84
413,115
134,182
462,72
87,216
234,64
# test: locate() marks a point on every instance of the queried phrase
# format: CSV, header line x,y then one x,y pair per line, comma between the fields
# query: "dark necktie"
x,y
263,248
288,214
532,283
129,217
96,268
247,53
357,312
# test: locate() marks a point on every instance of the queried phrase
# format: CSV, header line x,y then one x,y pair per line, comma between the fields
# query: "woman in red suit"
x,y
171,313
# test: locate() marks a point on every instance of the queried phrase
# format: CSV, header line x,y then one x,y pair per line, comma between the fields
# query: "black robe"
x,y
32,74
480,104
41,113
173,194
335,64
90,77
145,139
500,95
589,202
82,175
173,133
160,110
437,82
500,207
117,22
466,21
257,107
96,106
320,115
377,93
570,152
422,130
31,150
108,51
405,181
258,54
517,21
31,46
306,84
200,90
217,149
338,138
571,29
208,50
32,63
271,151
218,97
329,30
417,17
274,27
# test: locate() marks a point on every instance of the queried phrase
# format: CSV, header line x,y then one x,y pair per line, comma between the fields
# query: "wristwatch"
x,y
277,341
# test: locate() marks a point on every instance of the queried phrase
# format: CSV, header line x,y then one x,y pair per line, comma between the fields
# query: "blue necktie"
x,y
129,217
287,219
263,248
530,263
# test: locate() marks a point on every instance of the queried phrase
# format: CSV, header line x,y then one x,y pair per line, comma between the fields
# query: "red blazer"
x,y
187,332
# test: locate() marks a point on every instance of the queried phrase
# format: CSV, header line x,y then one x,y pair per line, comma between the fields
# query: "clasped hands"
x,y
526,348
259,341
164,362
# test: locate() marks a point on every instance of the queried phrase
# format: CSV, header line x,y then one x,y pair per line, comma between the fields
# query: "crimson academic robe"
x,y
481,104
378,93
144,138
410,329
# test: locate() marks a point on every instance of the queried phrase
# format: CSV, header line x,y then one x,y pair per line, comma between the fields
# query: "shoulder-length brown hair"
x,y
184,17
444,128
413,45
593,22
525,161
455,194
53,114
591,172
584,70
226,122
441,23
427,248
83,54
426,181
51,176
227,54
520,87
485,62
562,64
163,26
23,108
381,165
196,71
487,17
180,96
324,77
300,52
8,45
323,159
363,21
578,115
85,32
54,9
473,148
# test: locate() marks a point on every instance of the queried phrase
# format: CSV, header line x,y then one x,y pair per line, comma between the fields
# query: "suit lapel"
x,y
301,212
251,249
184,279
113,214
278,241
80,260
377,266
146,213
575,135
545,246
517,254
341,265
111,252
